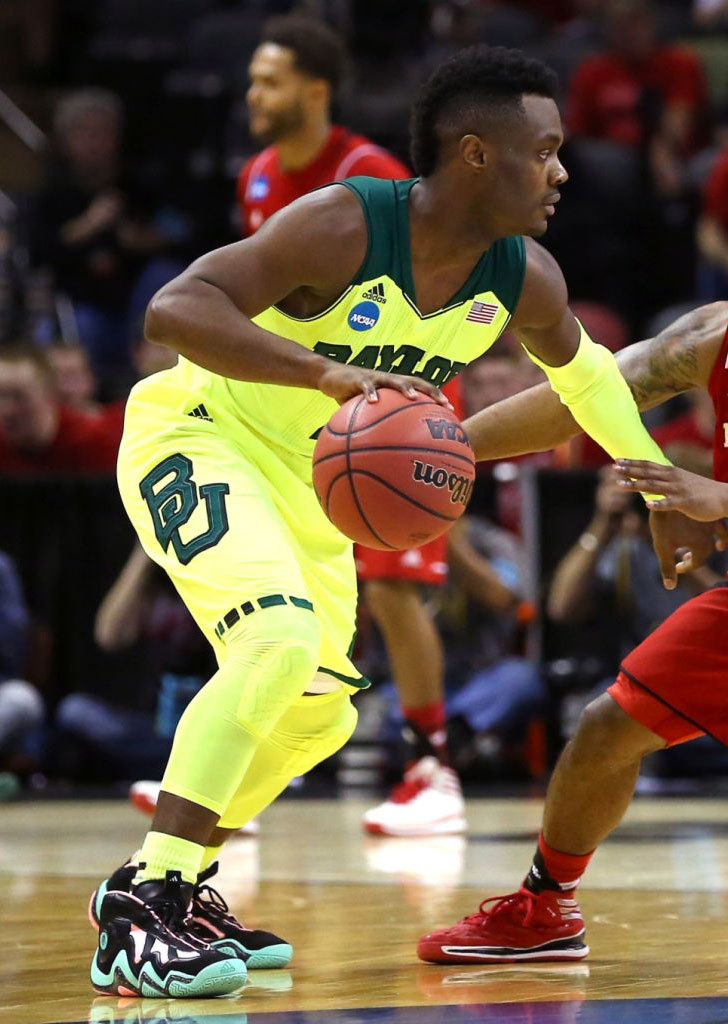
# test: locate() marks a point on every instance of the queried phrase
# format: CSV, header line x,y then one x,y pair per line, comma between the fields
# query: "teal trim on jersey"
x,y
360,682
378,198
500,269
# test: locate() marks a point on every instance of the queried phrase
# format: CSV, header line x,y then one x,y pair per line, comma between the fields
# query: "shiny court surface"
x,y
656,901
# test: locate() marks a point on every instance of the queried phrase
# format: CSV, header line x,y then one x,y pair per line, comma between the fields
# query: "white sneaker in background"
x,y
429,801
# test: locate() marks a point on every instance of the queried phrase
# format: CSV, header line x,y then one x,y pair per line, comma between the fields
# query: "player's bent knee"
x,y
337,720
605,730
277,657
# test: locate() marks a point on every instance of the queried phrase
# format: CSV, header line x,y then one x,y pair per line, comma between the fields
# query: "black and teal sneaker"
x,y
121,881
146,950
210,920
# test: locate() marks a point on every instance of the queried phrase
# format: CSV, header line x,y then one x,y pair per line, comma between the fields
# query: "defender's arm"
x,y
681,357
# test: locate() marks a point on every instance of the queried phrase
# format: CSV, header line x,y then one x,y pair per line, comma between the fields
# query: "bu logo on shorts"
x,y
172,505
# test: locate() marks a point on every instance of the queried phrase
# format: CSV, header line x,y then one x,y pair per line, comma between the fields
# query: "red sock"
x,y
565,869
429,719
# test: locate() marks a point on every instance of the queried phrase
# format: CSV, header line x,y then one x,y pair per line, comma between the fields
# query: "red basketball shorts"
x,y
676,681
426,564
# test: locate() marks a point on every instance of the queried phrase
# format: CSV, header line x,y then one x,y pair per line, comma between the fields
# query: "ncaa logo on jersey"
x,y
259,188
363,316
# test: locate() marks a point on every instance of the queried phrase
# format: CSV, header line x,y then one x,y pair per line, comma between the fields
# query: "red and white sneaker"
x,y
144,795
428,802
522,926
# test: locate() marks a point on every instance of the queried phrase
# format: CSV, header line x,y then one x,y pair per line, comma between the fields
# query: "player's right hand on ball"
x,y
344,382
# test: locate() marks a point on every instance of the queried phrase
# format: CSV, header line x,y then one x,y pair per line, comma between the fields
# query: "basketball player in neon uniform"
x,y
215,462
670,689
289,105
293,74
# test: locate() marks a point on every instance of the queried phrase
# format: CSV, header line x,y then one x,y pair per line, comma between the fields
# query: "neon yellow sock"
x,y
161,853
210,854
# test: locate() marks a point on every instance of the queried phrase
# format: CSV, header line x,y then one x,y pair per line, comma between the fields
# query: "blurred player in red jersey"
x,y
294,75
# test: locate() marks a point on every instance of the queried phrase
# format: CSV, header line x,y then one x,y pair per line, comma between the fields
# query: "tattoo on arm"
x,y
667,365
669,368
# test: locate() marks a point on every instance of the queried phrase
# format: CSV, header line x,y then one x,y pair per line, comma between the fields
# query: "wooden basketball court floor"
x,y
656,899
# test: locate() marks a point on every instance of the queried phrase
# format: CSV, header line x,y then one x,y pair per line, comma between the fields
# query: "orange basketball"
x,y
395,473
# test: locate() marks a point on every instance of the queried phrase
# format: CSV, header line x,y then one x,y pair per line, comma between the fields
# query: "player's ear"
x,y
473,152
319,92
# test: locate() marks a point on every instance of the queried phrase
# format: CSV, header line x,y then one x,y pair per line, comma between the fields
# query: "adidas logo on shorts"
x,y
201,413
376,294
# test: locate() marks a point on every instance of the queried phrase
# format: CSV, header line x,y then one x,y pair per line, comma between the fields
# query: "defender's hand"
x,y
696,496
345,382
682,544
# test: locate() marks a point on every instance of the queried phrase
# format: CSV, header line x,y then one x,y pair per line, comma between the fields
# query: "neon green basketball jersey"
x,y
375,323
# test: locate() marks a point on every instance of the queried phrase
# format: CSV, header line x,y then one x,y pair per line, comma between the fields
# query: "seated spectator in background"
x,y
493,694
503,370
38,434
712,233
76,384
96,225
612,574
636,113
131,733
641,94
21,707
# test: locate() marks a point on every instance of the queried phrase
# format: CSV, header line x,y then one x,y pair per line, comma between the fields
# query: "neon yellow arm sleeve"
x,y
600,401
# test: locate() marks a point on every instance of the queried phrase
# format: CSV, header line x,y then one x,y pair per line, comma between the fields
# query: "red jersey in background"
x,y
84,443
606,93
264,187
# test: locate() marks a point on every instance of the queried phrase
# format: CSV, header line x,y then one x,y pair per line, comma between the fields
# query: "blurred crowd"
x,y
127,126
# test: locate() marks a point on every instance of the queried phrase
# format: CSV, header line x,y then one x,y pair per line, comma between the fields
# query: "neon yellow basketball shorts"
x,y
234,521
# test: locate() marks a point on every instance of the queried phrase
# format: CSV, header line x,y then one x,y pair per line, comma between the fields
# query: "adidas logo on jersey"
x,y
376,294
201,413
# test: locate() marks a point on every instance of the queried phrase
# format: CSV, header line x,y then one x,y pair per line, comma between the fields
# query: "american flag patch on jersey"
x,y
482,313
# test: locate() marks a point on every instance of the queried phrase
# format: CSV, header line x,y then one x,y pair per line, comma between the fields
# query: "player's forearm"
x,y
532,421
199,321
600,401
536,420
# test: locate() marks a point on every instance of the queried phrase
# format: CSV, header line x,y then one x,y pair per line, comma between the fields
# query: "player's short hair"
x,y
21,351
318,50
479,80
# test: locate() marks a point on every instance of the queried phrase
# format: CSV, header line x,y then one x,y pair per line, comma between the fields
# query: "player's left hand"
x,y
344,382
